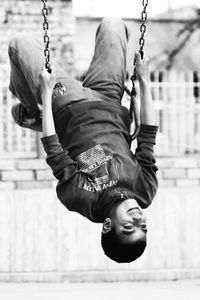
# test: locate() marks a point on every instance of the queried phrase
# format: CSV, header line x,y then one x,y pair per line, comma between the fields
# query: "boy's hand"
x,y
142,67
47,80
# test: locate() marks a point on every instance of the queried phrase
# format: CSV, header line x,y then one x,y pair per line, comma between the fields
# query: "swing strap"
x,y
133,110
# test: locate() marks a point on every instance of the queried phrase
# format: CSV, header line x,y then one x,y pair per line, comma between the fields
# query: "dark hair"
x,y
121,252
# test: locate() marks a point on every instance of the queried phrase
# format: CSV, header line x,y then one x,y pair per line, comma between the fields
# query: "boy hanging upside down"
x,y
86,135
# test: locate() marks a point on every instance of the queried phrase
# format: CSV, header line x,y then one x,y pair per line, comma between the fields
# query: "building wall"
x,y
42,241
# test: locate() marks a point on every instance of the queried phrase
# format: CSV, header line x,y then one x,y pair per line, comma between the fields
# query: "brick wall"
x,y
25,174
19,15
179,171
35,173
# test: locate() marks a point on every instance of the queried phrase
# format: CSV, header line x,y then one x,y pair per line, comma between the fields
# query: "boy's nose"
x,y
136,215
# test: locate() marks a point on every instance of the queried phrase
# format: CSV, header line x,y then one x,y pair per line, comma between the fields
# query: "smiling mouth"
x,y
136,209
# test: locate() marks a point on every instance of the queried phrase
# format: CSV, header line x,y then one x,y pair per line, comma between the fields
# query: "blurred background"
x,y
40,241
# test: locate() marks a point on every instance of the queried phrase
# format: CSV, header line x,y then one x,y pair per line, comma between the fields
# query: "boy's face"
x,y
129,221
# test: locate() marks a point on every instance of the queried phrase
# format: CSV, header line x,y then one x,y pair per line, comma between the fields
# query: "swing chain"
x,y
141,43
143,25
46,37
134,113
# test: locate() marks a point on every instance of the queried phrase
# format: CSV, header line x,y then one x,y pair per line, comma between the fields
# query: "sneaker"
x,y
22,118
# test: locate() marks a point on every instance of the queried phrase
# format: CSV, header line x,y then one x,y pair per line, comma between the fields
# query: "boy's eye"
x,y
129,226
143,226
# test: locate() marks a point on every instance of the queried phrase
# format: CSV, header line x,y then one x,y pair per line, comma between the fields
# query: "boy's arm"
x,y
148,130
145,156
47,83
62,165
147,111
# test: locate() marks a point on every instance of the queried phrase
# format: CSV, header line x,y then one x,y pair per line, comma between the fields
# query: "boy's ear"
x,y
106,225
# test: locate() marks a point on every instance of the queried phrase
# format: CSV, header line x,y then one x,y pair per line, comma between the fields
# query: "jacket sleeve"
x,y
145,156
62,165
67,172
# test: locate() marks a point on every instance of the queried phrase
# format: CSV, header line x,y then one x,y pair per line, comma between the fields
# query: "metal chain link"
x,y
141,44
46,37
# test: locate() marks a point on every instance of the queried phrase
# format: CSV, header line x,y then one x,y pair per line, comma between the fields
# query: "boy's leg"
x,y
107,72
27,58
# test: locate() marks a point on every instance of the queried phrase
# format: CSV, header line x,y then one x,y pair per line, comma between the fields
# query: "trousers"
x,y
104,80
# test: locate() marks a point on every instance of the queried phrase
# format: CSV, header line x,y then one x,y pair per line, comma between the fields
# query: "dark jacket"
x,y
91,158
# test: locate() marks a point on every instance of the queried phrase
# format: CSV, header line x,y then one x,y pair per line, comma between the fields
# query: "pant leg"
x,y
27,58
107,72
18,83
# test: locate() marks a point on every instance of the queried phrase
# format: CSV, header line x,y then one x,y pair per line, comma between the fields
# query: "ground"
x,y
176,290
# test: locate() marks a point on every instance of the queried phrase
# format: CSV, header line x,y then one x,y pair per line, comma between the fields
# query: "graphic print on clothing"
x,y
94,163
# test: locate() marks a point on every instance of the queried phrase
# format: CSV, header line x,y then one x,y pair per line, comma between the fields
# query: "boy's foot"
x,y
23,119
